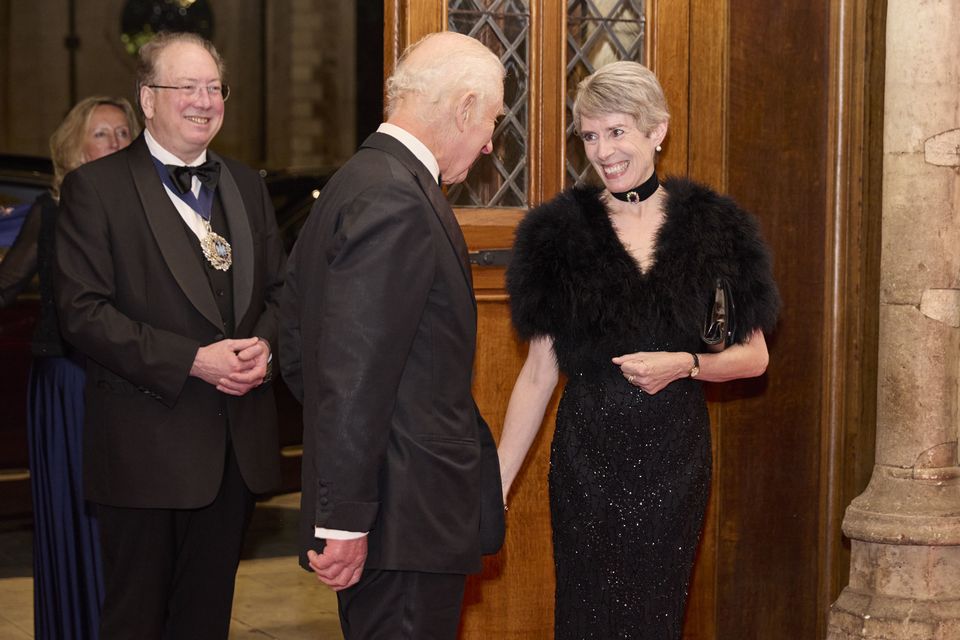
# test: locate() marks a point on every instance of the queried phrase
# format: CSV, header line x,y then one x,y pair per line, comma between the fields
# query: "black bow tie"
x,y
208,173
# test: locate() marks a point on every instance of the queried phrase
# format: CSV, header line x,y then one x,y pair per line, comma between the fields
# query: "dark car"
x,y
293,192
22,179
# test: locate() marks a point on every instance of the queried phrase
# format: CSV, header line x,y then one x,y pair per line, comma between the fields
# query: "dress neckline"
x,y
644,274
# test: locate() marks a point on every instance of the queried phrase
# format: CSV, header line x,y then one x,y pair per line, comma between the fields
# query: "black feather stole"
x,y
572,279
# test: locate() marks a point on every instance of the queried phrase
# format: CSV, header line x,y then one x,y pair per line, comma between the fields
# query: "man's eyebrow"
x,y
195,80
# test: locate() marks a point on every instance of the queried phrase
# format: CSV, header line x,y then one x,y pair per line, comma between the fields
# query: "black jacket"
x,y
133,297
377,339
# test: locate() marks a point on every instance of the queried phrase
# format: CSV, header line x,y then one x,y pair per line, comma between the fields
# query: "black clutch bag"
x,y
719,326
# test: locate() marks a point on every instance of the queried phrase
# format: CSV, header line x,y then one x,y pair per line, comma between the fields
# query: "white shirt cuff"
x,y
337,534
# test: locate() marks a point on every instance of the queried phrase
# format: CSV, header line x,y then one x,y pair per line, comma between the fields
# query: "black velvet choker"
x,y
641,193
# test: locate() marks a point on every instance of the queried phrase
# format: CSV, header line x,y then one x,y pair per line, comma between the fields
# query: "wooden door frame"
x,y
851,322
707,163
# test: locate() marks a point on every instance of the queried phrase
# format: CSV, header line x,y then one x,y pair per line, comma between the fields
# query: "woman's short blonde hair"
x,y
622,87
66,143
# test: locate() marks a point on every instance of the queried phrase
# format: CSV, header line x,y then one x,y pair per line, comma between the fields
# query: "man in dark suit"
x,y
378,331
168,280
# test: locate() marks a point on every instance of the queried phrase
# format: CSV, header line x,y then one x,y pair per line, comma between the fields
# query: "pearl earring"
x,y
659,148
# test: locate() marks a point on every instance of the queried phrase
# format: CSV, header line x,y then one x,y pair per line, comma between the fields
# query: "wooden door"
x,y
547,46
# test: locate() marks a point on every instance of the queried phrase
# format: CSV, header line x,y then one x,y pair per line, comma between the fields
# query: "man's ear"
x,y
146,101
465,106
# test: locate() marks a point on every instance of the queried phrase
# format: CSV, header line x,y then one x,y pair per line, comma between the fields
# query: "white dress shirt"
x,y
191,217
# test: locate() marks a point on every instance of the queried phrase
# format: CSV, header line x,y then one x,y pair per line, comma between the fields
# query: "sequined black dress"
x,y
630,472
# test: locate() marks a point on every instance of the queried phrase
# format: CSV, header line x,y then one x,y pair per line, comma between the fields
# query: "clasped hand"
x,y
341,563
653,370
234,367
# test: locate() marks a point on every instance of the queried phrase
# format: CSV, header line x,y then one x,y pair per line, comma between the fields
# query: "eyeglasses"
x,y
193,91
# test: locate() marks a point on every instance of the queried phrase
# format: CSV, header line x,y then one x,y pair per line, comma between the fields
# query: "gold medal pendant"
x,y
216,249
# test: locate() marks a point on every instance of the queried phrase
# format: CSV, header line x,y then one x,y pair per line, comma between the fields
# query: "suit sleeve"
x,y
84,285
291,337
376,288
267,326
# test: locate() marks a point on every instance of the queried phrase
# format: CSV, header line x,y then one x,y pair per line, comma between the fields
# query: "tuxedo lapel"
x,y
241,240
443,210
441,207
164,221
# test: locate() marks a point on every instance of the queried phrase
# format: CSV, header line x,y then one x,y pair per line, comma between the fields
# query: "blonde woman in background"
x,y
68,585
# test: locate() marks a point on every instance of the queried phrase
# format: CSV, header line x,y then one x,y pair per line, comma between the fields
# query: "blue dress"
x,y
67,578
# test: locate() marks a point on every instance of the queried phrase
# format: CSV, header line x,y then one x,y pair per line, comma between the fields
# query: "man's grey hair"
x,y
150,52
466,65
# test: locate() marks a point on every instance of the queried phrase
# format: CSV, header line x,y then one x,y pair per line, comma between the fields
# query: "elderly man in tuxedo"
x,y
169,272
378,331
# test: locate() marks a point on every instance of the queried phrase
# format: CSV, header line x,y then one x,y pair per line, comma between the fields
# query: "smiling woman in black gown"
x,y
611,286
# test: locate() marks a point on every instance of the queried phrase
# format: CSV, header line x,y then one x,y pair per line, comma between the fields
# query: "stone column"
x,y
905,528
323,67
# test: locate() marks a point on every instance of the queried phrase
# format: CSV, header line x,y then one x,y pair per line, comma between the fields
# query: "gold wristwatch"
x,y
695,369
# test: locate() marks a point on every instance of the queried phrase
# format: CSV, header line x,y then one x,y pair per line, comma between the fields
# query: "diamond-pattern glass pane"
x,y
499,179
598,32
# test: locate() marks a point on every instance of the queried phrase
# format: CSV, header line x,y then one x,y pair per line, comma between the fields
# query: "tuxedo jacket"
x,y
133,296
378,333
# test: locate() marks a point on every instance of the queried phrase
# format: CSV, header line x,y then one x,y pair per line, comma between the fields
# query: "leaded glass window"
x,y
500,178
598,32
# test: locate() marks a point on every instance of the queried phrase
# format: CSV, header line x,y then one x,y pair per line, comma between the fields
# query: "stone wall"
x,y
290,66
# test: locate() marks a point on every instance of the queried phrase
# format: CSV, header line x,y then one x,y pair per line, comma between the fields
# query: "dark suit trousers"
x,y
169,573
402,605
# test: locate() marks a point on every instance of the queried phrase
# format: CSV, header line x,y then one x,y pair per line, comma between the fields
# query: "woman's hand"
x,y
654,370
